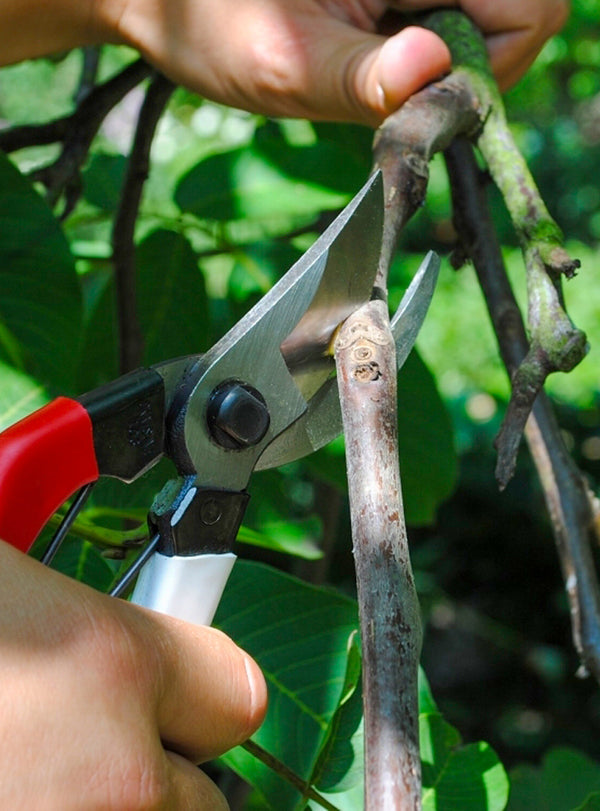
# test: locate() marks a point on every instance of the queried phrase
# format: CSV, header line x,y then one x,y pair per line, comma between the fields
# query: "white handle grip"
x,y
188,588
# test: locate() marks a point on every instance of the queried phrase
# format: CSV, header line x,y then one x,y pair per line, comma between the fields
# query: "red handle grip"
x,y
44,459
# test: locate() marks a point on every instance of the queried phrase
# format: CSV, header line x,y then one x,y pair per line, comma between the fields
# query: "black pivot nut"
x,y
237,415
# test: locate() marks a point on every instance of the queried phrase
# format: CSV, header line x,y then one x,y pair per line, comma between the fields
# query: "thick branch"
x,y
365,357
123,245
569,501
388,605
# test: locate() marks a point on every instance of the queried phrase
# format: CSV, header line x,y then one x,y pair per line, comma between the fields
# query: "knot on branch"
x,y
357,330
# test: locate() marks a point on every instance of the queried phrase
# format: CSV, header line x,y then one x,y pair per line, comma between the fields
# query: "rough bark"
x,y
388,603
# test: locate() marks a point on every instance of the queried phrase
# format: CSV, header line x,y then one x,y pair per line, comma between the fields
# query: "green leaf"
x,y
291,538
82,561
299,635
329,163
103,179
458,778
245,184
40,299
172,308
428,464
304,638
565,779
19,395
339,766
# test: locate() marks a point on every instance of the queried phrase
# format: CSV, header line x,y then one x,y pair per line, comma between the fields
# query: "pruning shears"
x,y
263,395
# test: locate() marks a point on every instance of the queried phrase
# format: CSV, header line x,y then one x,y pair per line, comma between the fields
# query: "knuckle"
x,y
115,651
143,787
131,780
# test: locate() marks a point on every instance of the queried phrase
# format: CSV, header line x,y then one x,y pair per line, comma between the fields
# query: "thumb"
x,y
382,75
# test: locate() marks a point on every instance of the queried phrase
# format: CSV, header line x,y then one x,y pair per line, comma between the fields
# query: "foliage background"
x,y
231,202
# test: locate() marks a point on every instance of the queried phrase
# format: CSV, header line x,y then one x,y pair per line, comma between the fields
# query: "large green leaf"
x,y
299,635
40,299
455,777
304,639
428,463
563,782
82,561
329,163
171,306
19,395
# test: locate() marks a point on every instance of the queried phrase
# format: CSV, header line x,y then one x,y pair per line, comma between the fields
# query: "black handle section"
x,y
192,520
128,420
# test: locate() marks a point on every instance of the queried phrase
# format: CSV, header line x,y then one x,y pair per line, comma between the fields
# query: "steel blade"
x,y
322,421
278,348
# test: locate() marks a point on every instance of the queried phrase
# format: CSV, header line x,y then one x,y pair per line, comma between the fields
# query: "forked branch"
x,y
570,504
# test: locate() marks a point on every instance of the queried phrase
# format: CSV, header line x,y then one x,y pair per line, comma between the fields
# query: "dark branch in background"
x,y
366,365
570,503
76,132
89,73
123,243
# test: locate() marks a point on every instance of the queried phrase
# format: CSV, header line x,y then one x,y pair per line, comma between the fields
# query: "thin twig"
x,y
288,775
89,72
123,245
76,132
569,501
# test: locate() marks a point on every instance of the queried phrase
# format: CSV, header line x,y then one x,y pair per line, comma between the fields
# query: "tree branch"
x,y
366,365
388,604
571,506
123,244
406,142
556,344
76,131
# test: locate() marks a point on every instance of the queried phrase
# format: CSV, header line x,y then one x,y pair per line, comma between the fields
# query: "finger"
x,y
404,64
189,789
363,77
511,55
210,695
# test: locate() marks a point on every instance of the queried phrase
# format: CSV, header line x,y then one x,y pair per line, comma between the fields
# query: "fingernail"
x,y
258,693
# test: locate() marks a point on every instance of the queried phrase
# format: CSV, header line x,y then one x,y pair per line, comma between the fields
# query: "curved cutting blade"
x,y
280,347
322,421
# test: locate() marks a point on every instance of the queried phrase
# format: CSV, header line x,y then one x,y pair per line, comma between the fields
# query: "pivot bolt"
x,y
237,415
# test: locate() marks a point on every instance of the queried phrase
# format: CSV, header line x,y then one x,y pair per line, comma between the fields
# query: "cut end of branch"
x,y
558,262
